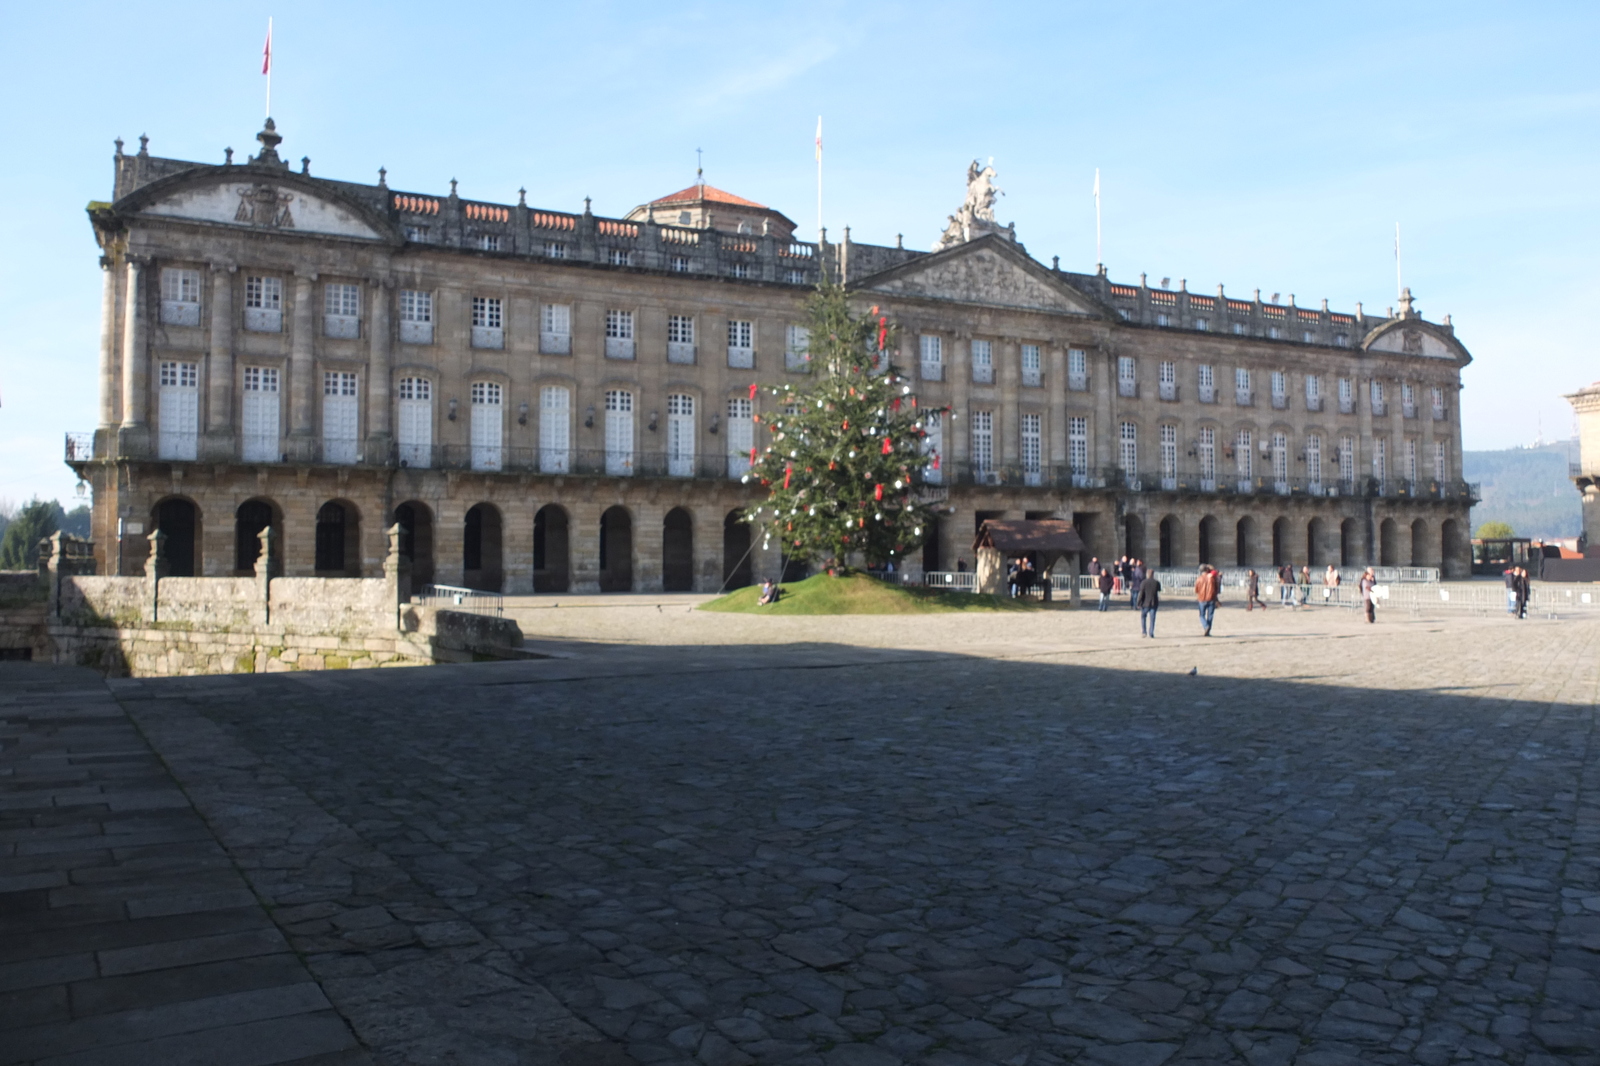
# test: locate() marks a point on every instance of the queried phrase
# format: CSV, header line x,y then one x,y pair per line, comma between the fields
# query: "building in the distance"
x,y
1586,471
549,401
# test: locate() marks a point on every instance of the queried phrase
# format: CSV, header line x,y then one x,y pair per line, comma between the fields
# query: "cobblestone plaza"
x,y
1018,839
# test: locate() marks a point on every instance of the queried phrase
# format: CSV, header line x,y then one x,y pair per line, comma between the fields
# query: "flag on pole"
x,y
266,52
819,138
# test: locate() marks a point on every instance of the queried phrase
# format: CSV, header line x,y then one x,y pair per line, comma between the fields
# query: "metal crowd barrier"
x,y
469,601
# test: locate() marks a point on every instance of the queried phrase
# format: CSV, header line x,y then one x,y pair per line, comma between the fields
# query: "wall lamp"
x,y
522,414
452,415
588,419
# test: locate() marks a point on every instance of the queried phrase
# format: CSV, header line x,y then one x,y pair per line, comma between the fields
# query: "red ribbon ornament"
x,y
883,333
877,493
787,471
753,388
887,447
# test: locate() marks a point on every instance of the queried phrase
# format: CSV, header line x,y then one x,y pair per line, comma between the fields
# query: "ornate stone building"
x,y
553,401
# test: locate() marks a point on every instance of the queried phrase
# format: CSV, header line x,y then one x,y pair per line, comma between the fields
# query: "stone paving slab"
x,y
939,842
126,933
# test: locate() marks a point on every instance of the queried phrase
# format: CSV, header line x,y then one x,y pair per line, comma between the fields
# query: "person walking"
x,y
1511,590
1369,597
1330,583
1524,591
1135,579
1305,584
1149,604
1207,591
1252,591
1094,567
1286,585
1104,583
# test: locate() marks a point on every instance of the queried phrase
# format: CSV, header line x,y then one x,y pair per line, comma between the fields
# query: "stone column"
x,y
1425,460
135,365
958,434
108,343
1055,430
302,368
263,574
220,375
1364,445
378,406
1102,431
516,541
1397,422
396,573
152,576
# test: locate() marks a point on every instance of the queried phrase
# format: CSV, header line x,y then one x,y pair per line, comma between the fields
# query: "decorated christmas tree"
x,y
844,455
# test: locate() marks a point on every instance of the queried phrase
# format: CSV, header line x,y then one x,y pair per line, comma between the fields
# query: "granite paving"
x,y
1305,842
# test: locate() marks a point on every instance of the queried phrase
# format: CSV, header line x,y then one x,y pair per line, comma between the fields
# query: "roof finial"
x,y
227,157
270,140
118,143
144,144
522,196
452,187
383,177
1406,310
699,169
586,206
305,164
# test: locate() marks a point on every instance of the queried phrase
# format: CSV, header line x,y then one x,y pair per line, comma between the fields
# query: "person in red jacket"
x,y
1207,591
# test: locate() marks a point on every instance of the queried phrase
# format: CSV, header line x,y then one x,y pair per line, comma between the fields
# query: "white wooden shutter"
x,y
741,436
555,430
341,417
179,411
680,436
619,433
486,425
260,414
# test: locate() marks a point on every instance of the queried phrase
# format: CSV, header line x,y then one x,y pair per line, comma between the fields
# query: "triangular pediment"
x,y
990,272
260,199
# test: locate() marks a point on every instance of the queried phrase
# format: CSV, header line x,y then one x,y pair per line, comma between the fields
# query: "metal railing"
x,y
468,601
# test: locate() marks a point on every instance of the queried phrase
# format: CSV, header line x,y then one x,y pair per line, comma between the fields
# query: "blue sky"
x,y
1249,144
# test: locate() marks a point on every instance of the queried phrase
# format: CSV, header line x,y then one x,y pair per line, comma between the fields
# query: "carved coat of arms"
x,y
264,205
1411,342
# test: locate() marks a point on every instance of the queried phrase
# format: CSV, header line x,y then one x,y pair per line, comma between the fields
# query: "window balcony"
x,y
1438,413
741,358
1379,408
555,343
1347,407
263,320
1030,377
343,327
1207,393
1078,382
1280,401
619,347
1313,403
416,332
932,371
680,352
488,337
983,373
1408,410
798,362
1169,391
1127,388
1244,398
179,313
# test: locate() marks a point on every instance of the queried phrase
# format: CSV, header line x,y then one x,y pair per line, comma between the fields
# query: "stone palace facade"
x,y
551,401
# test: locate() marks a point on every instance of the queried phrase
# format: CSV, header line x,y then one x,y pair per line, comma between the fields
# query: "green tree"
x,y
19,550
77,521
845,453
1495,531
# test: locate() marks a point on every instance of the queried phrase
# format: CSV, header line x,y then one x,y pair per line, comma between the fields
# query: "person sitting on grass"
x,y
769,593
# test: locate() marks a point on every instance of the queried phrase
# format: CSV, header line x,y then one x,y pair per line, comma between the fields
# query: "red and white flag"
x,y
266,52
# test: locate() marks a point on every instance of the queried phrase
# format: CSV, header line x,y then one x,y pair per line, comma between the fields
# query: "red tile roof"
x,y
707,192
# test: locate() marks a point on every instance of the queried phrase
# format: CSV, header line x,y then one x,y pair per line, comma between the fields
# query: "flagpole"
x,y
1399,284
1099,255
820,230
268,65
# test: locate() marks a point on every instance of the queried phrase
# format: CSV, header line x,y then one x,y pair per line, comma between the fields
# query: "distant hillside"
x,y
1527,487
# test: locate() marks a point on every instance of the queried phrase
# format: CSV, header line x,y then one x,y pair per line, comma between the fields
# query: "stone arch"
x,y
677,551
1389,543
1244,541
338,540
932,557
251,517
1168,548
616,550
1133,536
552,552
1207,540
1419,542
1315,556
737,570
415,520
1348,539
1282,549
1450,548
481,545
179,518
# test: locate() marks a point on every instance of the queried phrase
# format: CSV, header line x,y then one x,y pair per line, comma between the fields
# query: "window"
x,y
741,435
683,218
1307,337
414,424
933,447
680,264
1032,473
1078,445
1380,460
1244,458
1347,459
1280,389
555,329
1314,462
1167,378
1128,448
680,435
1272,331
1313,392
1341,340
1207,384
1280,462
1241,387
341,424
1440,461
1169,456
619,341
180,297
555,250
1031,369
1347,396
741,344
1377,396
1202,324
341,310
619,433
487,322
418,234
797,348
1238,329
795,277
982,362
416,317
263,305
1206,452
982,445
259,414
620,257
1163,319
680,338
1408,459
489,242
1408,400
1077,369
487,425
932,357
555,429
1438,401
739,270
179,411
1127,384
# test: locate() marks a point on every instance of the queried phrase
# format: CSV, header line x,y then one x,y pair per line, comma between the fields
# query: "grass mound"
x,y
860,594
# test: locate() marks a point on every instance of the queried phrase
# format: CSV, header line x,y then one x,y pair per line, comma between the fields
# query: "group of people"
x,y
1124,576
1518,589
1294,589
1021,576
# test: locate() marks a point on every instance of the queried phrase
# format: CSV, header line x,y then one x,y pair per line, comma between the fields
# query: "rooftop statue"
x,y
976,217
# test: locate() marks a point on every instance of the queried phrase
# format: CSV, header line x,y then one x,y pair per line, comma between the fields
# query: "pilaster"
x,y
222,386
301,445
